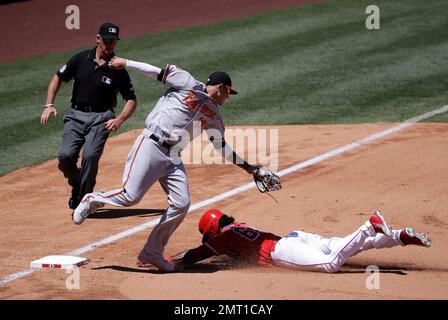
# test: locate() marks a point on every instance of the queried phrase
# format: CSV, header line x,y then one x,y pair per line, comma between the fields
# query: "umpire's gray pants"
x,y
83,129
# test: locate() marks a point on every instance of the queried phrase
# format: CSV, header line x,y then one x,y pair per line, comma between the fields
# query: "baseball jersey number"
x,y
248,233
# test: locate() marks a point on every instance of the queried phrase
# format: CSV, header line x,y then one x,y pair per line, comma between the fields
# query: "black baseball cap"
x,y
109,31
219,77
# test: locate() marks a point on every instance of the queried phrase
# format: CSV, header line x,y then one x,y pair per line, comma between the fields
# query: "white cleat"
x,y
161,263
84,209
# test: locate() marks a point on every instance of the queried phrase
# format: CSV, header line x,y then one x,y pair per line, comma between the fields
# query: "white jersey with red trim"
x,y
185,102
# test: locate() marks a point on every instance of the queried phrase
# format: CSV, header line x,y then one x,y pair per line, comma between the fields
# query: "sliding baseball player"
x,y
297,250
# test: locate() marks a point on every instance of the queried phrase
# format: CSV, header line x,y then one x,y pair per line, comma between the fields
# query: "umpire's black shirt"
x,y
95,85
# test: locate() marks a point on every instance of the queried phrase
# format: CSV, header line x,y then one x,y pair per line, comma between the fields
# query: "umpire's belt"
x,y
163,143
88,108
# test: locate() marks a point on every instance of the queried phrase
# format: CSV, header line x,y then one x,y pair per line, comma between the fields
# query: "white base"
x,y
58,262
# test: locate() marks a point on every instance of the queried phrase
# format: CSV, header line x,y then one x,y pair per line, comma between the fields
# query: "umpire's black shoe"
x,y
73,203
74,200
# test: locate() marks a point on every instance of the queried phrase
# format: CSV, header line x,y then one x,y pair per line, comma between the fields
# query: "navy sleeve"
x,y
200,253
160,76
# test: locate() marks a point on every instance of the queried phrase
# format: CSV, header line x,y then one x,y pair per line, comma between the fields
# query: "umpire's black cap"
x,y
219,77
109,31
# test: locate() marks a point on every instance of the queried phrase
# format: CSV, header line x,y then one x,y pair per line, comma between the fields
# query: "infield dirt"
x,y
403,175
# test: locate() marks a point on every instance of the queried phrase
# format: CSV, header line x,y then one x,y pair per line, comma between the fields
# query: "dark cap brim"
x,y
232,91
110,37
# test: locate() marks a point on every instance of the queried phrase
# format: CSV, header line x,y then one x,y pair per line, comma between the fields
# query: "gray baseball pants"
x,y
147,163
83,130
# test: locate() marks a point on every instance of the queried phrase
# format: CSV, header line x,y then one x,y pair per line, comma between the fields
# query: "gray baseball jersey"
x,y
183,103
149,161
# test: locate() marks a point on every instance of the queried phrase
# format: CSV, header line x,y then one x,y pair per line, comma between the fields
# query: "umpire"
x,y
91,117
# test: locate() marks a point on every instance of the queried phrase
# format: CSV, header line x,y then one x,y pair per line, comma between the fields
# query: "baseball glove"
x,y
266,180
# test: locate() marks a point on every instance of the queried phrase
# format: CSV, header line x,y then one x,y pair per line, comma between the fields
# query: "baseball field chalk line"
x,y
244,187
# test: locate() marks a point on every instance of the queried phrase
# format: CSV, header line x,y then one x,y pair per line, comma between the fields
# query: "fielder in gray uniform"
x,y
153,156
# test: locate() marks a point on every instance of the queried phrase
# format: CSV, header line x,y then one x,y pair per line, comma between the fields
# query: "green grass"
x,y
310,64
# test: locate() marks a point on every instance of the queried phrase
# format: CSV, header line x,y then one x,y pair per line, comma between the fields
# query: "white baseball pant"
x,y
309,251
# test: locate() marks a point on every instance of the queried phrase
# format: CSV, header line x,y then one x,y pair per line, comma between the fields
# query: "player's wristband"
x,y
48,105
